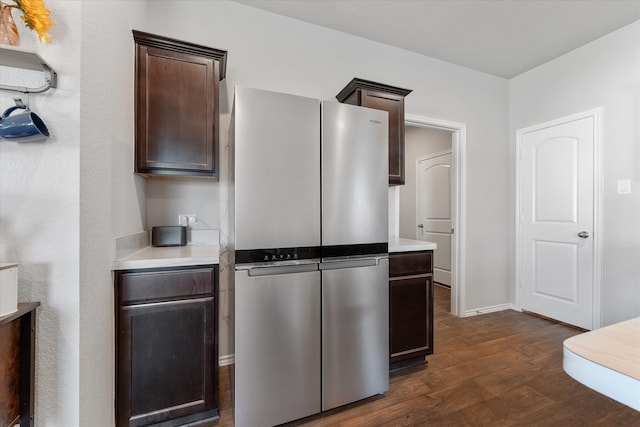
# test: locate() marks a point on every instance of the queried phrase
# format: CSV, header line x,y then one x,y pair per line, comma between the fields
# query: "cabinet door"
x,y
166,365
411,317
176,113
394,105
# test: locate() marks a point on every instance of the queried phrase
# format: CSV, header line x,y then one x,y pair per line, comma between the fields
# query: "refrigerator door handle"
x,y
286,269
350,263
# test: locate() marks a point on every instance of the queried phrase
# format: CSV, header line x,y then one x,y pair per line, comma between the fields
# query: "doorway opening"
x,y
425,137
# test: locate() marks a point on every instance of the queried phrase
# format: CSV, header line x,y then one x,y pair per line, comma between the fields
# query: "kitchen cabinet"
x,y
166,346
176,107
410,308
388,98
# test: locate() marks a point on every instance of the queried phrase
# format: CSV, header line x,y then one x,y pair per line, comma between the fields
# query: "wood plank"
x,y
514,379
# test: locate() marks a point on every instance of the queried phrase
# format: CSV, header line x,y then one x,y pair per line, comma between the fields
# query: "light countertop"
x,y
607,360
173,256
407,245
201,254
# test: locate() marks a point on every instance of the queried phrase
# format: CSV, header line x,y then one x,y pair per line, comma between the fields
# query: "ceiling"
x,y
500,37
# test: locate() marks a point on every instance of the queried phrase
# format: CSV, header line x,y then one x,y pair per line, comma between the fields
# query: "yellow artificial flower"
x,y
36,17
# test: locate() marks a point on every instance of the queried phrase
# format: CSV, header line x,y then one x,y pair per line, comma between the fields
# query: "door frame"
x,y
458,202
596,114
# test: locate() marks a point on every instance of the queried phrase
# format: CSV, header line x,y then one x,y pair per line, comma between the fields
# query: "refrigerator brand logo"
x,y
375,121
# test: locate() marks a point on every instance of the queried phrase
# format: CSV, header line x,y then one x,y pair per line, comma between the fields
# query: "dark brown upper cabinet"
x,y
176,107
388,98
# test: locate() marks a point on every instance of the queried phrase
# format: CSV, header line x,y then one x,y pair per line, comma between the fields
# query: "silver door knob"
x,y
583,234
420,226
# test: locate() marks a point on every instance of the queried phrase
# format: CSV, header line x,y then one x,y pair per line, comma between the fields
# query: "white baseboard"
x,y
489,309
227,359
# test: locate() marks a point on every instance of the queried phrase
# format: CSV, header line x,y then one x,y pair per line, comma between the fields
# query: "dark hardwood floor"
x,y
496,369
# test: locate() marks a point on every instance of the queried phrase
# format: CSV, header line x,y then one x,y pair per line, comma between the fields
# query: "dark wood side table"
x,y
17,365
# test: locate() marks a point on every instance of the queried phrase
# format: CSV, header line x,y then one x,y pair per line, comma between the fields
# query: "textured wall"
x,y
604,73
39,217
112,198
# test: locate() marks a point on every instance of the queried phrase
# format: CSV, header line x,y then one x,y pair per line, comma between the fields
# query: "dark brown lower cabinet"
x,y
410,308
166,347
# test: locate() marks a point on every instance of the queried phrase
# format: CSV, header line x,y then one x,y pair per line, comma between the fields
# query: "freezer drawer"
x,y
355,331
277,347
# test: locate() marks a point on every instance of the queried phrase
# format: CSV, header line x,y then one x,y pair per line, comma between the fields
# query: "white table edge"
x,y
617,386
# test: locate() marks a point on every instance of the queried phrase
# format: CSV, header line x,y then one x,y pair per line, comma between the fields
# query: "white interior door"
x,y
434,211
556,249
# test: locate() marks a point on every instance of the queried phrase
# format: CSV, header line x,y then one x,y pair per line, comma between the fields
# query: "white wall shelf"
x,y
20,58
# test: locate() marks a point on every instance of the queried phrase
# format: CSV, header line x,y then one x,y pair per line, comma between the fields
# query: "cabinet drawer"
x,y
147,286
410,263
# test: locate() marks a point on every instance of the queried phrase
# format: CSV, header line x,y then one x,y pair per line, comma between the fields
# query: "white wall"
x,y
278,53
39,215
419,142
604,73
112,198
168,199
62,201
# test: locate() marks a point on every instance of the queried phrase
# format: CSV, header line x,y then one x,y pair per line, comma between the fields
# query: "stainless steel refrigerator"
x,y
308,214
